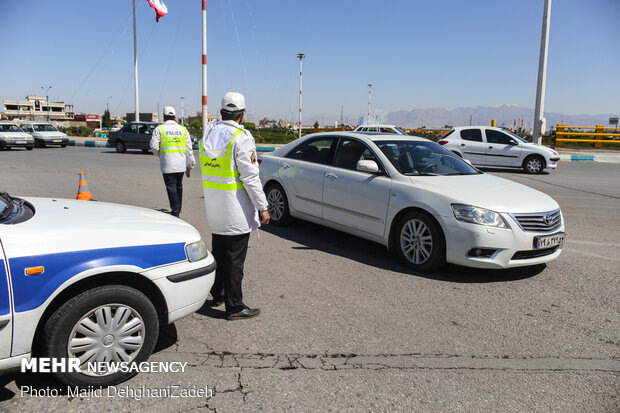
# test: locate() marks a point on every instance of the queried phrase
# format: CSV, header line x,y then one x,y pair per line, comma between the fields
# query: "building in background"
x,y
36,108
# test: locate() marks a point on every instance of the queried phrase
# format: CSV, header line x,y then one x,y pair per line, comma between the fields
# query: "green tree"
x,y
316,125
249,125
195,128
106,121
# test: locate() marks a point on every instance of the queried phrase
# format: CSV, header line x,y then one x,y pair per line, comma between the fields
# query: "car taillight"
x,y
442,142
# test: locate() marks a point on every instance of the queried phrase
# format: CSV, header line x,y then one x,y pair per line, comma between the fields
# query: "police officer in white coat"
x,y
234,200
173,143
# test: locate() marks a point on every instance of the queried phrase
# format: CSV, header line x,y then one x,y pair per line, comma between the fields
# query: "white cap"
x,y
169,111
233,102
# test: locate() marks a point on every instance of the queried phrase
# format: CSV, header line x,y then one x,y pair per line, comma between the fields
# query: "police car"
x,y
93,281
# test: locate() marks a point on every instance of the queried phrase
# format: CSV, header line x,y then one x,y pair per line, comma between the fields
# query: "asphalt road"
x,y
346,327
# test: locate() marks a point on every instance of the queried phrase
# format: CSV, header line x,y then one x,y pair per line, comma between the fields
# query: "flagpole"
x,y
205,118
135,62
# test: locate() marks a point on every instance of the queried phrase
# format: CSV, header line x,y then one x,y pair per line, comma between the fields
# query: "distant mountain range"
x,y
482,115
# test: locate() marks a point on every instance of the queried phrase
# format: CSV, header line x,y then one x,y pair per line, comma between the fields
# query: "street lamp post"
x,y
108,103
539,109
47,102
300,56
182,113
369,93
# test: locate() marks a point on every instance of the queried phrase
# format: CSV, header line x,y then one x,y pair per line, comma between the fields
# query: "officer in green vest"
x,y
234,201
173,144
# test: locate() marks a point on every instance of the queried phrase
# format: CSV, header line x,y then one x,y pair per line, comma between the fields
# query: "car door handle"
x,y
331,176
285,165
490,147
463,144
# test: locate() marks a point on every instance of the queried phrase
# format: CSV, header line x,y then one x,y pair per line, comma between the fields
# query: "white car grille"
x,y
540,222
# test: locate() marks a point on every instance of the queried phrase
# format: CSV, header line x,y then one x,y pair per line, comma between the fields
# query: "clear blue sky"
x,y
418,54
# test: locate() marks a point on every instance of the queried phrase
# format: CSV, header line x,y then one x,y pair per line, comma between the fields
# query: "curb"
x,y
591,158
90,144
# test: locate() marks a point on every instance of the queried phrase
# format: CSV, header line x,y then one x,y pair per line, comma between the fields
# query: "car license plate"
x,y
20,142
57,140
549,241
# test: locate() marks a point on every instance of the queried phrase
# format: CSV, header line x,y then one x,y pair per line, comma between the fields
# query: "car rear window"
x,y
471,135
316,151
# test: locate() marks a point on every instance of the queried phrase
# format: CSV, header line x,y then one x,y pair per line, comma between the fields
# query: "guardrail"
x,y
599,134
440,131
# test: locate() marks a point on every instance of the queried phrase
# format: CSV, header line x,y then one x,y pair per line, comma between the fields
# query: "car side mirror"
x,y
514,143
367,166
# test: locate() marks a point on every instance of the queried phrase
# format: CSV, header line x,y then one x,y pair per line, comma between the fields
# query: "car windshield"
x,y
10,128
424,158
44,128
516,136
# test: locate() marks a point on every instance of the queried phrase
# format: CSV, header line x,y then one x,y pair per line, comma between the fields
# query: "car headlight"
x,y
480,216
196,251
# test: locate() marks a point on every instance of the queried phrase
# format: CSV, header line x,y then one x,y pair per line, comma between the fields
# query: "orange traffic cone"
x,y
83,193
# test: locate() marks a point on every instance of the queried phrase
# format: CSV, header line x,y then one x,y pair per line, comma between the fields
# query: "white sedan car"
x,y
490,146
93,281
45,134
412,196
12,136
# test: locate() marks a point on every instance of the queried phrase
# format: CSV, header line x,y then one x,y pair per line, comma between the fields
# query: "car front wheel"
x,y
534,164
111,323
120,147
420,243
278,205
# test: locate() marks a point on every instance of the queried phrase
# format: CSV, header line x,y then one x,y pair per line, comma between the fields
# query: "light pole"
x,y
182,117
539,111
300,56
108,104
47,101
369,93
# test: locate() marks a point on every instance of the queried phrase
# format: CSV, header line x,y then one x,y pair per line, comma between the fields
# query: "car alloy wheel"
x,y
534,165
112,332
416,241
420,242
277,205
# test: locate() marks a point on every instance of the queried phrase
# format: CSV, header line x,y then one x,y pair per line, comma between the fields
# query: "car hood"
x,y
487,191
60,225
48,134
538,147
15,135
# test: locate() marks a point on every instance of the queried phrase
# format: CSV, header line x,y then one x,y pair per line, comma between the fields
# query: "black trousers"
x,y
229,252
174,188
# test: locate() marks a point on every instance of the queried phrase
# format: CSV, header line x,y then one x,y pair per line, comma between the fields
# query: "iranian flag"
x,y
159,7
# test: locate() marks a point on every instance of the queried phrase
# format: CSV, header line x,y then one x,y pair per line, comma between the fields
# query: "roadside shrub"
x,y
78,131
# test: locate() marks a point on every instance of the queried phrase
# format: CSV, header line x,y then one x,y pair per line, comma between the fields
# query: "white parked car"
x,y
491,146
12,136
381,129
414,197
93,281
45,134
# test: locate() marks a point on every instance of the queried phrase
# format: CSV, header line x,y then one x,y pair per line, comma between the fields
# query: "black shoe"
x,y
245,313
216,302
